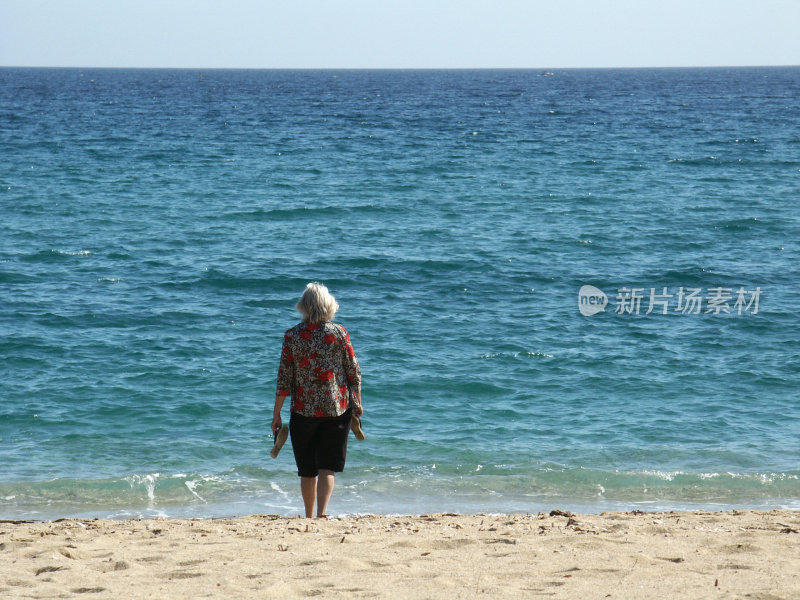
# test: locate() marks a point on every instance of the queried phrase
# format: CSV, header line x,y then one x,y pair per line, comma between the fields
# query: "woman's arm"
x,y
353,372
285,381
276,412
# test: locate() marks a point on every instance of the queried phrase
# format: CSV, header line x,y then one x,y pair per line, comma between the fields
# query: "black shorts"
x,y
319,442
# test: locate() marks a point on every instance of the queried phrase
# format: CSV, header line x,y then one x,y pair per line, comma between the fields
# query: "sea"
x,y
571,289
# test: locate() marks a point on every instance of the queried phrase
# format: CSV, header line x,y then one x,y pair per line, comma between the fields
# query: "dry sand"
x,y
748,554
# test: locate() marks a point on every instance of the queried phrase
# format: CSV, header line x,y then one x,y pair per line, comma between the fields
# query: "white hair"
x,y
316,304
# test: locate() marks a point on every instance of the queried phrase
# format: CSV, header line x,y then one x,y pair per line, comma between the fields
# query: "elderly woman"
x,y
319,370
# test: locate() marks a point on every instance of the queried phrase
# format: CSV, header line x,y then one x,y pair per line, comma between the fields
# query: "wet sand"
x,y
747,554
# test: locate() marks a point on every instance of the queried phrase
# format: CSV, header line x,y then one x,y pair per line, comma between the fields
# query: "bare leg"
x,y
324,490
308,487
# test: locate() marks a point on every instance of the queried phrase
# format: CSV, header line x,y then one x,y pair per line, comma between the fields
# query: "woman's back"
x,y
318,369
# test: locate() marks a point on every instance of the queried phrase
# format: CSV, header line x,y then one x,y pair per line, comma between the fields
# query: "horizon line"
x,y
172,68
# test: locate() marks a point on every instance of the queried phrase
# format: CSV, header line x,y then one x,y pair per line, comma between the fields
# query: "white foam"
x,y
149,483
274,486
192,485
665,475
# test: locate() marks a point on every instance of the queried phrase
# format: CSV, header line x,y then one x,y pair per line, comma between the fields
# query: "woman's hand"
x,y
357,408
276,424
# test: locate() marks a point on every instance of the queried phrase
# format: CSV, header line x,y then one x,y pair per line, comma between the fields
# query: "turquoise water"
x,y
158,227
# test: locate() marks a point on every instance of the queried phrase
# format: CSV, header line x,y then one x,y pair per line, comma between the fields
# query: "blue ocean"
x,y
573,289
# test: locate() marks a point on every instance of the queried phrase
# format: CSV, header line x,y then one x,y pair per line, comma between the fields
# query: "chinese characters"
x,y
714,301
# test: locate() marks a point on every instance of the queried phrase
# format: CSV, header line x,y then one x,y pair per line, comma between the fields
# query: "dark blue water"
x,y
158,227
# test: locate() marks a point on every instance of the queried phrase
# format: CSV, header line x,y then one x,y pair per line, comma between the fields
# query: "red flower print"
x,y
315,369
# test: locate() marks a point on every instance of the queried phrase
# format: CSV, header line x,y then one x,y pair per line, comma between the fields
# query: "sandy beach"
x,y
738,554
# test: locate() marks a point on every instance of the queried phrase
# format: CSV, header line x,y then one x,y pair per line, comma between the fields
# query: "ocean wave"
x,y
708,161
745,224
135,492
515,355
445,485
45,256
11,277
219,279
307,212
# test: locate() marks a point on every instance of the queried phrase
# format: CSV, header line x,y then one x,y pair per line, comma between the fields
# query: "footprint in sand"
x,y
457,543
73,554
312,562
181,575
108,567
48,569
745,547
735,567
191,563
502,541
668,559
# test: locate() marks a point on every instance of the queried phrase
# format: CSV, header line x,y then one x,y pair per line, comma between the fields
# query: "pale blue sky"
x,y
398,33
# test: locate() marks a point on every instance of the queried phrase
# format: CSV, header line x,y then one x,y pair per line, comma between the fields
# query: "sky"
x,y
398,33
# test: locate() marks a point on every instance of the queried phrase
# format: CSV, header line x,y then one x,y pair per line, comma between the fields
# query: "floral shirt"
x,y
319,370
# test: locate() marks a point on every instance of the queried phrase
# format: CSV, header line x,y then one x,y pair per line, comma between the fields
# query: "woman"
x,y
319,370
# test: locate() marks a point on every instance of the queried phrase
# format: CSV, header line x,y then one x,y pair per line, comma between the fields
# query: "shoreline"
x,y
582,509
638,554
